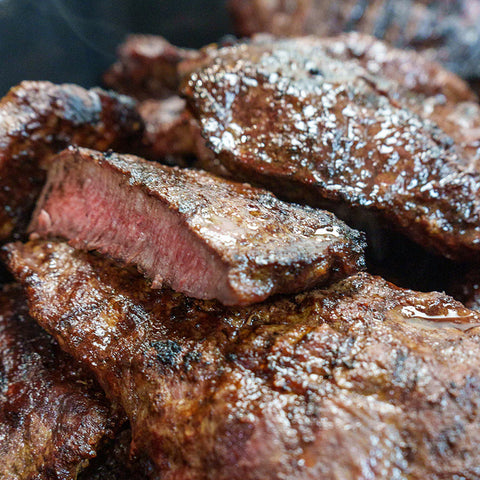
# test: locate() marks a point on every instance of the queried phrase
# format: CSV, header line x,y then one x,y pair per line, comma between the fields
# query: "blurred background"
x,y
75,40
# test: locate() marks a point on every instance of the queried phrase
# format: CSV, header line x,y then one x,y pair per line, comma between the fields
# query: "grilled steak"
x,y
361,380
147,67
38,119
53,416
299,117
205,236
446,30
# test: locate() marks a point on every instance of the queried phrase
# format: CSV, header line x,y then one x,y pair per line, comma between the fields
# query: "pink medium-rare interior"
x,y
97,209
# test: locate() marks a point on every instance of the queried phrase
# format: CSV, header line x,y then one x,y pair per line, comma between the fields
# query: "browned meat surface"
x,y
200,234
114,462
446,30
53,417
147,67
315,125
38,119
361,380
424,86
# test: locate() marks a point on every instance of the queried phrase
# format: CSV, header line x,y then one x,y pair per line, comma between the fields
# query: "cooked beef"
x,y
114,462
147,67
53,416
361,380
200,234
38,119
446,30
296,116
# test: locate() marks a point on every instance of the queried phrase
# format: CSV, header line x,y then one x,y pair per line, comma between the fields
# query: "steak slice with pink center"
x,y
204,236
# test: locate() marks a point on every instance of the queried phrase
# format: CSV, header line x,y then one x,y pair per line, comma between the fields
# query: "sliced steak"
x,y
361,380
147,67
38,119
53,416
298,117
200,234
446,30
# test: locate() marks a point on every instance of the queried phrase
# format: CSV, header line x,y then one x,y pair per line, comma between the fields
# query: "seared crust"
x,y
38,119
307,119
362,380
53,416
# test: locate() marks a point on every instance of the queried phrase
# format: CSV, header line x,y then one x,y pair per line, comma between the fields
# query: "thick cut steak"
x,y
200,234
445,30
53,416
37,120
360,380
310,121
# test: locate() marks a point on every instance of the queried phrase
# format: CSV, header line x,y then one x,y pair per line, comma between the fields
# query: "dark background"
x,y
75,40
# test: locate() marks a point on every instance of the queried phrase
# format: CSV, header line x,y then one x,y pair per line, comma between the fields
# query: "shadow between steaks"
x,y
362,379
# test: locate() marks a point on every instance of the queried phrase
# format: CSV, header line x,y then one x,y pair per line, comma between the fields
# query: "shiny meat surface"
x,y
38,119
200,234
53,416
298,117
147,67
361,380
445,30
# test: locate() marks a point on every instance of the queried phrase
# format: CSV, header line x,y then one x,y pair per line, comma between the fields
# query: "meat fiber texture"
x,y
37,120
445,30
357,130
53,416
200,234
360,380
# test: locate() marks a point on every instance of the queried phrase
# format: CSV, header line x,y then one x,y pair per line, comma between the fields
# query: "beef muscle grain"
x,y
360,380
38,119
53,416
200,234
311,120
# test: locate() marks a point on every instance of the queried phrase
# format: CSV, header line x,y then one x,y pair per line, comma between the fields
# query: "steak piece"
x,y
315,127
200,234
360,380
53,416
38,119
147,67
445,30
